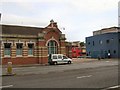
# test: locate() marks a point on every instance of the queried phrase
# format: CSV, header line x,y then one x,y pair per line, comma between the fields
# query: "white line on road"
x,y
84,76
6,86
113,87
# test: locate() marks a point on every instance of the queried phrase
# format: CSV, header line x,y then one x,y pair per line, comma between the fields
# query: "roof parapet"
x,y
106,30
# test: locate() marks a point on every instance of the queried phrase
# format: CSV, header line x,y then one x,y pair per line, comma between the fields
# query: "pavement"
x,y
37,68
74,60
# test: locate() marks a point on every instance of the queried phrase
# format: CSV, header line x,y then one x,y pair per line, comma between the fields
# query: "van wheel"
x,y
55,63
69,62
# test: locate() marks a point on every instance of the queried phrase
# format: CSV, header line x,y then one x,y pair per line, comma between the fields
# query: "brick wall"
x,y
20,60
40,54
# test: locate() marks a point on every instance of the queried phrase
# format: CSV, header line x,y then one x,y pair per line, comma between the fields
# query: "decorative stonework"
x,y
53,40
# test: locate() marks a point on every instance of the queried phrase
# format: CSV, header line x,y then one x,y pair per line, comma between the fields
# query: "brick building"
x,y
31,45
77,49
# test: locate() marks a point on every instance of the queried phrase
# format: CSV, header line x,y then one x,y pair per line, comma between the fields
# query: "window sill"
x,y
19,56
7,56
30,56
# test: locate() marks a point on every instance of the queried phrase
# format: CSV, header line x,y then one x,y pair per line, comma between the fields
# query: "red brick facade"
x,y
29,45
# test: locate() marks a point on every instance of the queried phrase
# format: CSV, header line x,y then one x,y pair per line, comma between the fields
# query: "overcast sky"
x,y
79,17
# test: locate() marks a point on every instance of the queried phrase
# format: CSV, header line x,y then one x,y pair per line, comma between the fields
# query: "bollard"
x,y
9,68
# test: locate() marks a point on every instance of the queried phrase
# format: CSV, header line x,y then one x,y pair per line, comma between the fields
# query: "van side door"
x,y
60,58
54,58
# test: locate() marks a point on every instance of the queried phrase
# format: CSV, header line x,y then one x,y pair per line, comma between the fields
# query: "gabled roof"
x,y
53,25
20,30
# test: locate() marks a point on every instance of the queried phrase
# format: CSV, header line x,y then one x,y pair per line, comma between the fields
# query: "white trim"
x,y
19,55
3,42
28,48
53,40
7,55
31,42
30,55
6,42
22,49
19,42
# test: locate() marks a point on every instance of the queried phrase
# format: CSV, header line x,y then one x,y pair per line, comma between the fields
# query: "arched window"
x,y
52,47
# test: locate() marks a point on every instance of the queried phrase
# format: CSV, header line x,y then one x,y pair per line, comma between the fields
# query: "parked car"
x,y
58,58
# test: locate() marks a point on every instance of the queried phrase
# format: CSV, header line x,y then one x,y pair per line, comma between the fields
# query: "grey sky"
x,y
78,17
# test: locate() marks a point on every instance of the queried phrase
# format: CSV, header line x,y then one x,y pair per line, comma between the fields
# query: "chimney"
x,y
52,24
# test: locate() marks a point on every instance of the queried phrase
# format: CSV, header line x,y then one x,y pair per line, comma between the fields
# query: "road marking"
x,y
113,87
6,86
84,76
107,61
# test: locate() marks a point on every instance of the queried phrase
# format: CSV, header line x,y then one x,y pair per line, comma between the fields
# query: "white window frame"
x,y
3,42
16,48
31,42
53,48
32,50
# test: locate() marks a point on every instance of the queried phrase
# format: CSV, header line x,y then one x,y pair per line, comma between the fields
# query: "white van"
x,y
58,58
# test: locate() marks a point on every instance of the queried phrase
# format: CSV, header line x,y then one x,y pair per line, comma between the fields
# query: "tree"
x,y
82,44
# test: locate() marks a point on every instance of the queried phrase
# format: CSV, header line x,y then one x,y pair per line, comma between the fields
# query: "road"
x,y
96,76
59,68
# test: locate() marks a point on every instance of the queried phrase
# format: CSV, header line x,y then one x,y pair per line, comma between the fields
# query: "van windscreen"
x,y
65,57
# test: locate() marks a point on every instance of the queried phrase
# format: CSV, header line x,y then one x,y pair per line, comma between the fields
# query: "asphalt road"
x,y
97,77
37,69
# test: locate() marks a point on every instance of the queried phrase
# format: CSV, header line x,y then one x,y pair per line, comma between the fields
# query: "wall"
x,y
96,45
39,36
